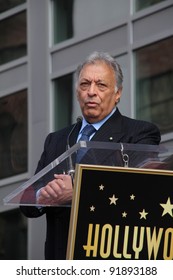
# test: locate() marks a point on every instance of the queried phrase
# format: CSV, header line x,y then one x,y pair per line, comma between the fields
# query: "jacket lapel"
x,y
111,131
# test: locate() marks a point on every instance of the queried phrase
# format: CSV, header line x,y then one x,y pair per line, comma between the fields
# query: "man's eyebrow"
x,y
85,79
90,80
100,80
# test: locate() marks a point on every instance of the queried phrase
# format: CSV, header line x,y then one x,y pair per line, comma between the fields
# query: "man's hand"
x,y
57,192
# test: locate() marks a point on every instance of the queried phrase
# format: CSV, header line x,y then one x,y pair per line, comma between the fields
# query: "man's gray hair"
x,y
106,58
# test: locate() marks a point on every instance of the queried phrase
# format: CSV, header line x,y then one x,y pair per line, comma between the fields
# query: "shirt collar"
x,y
98,124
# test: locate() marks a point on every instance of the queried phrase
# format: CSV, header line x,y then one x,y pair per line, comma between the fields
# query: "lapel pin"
x,y
111,138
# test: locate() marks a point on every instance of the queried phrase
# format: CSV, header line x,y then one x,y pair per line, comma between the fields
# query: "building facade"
x,y
41,44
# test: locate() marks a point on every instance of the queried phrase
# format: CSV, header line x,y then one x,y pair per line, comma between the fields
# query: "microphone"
x,y
70,162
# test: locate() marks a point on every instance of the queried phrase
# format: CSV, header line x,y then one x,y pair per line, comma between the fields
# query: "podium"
x,y
122,206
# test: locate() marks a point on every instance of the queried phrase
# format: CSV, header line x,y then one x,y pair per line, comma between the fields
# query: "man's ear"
x,y
118,94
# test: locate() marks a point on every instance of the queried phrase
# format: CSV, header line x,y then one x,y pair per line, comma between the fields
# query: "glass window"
x,y
9,4
63,27
154,84
13,235
63,101
13,134
79,17
13,38
142,4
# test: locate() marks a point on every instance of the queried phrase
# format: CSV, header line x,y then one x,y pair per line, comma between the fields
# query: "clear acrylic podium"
x,y
95,153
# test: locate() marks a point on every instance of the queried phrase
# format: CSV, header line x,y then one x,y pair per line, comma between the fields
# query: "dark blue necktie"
x,y
86,133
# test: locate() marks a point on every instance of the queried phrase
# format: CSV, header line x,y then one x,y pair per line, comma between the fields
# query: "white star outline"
x,y
113,200
167,207
132,197
124,214
92,208
143,214
101,187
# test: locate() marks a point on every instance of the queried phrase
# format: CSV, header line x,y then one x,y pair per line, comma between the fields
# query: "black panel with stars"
x,y
123,203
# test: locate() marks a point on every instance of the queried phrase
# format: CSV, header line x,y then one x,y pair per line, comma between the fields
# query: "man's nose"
x,y
92,89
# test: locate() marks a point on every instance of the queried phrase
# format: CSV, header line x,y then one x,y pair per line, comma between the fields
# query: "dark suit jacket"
x,y
119,129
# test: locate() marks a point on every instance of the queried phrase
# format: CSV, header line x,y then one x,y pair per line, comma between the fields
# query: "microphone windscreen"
x,y
79,119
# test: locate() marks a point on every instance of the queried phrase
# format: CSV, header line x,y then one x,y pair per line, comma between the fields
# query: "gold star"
x,y
132,197
143,214
92,208
101,187
167,207
124,214
113,199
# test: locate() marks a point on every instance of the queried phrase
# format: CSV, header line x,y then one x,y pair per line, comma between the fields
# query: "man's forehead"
x,y
96,71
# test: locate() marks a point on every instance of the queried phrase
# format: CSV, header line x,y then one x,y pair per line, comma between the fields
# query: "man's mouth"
x,y
91,104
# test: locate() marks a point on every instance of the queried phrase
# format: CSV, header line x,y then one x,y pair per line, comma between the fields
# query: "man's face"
x,y
96,91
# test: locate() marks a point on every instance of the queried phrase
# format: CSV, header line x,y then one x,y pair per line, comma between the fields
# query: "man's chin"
x,y
91,118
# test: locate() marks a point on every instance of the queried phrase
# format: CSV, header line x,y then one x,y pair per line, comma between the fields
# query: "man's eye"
x,y
101,86
84,85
